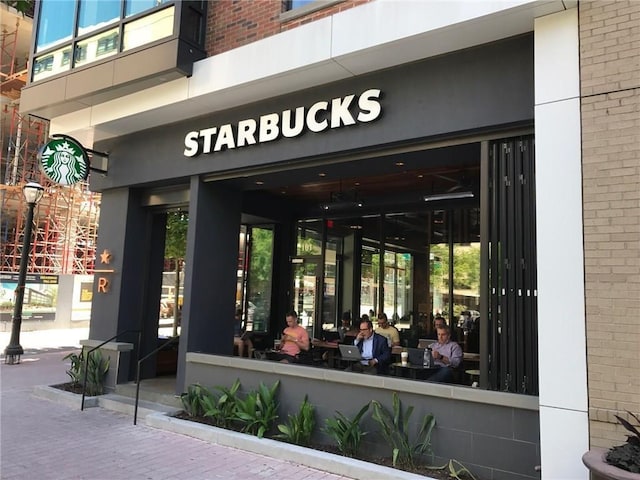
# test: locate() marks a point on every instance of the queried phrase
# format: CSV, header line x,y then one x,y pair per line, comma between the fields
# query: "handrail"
x,y
89,352
135,408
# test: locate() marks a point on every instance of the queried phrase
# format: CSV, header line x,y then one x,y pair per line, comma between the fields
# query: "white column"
x,y
564,425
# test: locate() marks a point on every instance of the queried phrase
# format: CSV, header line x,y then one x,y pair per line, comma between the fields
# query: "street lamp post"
x,y
32,194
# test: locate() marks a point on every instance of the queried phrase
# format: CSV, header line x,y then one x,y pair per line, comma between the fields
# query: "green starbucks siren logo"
x,y
64,161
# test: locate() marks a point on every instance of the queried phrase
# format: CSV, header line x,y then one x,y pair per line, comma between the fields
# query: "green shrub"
x,y
193,400
96,368
346,433
221,409
258,410
299,428
395,429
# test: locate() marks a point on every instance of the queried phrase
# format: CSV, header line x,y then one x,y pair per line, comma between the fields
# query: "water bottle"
x,y
427,359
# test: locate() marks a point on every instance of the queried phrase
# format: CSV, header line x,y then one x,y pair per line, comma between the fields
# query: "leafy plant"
x,y
193,400
221,409
455,470
395,429
258,410
96,370
346,433
299,427
627,456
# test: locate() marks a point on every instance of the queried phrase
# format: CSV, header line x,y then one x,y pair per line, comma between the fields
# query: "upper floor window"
x,y
94,15
292,4
56,23
92,30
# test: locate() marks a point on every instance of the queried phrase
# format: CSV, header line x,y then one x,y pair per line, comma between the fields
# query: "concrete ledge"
x,y
324,461
72,400
391,384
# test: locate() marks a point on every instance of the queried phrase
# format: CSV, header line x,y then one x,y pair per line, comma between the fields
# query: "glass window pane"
x,y
299,3
55,24
309,240
95,14
259,279
100,46
52,63
136,6
149,29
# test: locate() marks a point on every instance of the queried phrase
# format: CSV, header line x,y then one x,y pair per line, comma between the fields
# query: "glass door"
x,y
306,285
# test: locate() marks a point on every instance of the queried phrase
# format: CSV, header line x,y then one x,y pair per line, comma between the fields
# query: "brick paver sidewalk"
x,y
45,440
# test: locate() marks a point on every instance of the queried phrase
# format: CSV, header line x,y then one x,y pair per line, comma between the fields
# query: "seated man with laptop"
x,y
446,354
375,354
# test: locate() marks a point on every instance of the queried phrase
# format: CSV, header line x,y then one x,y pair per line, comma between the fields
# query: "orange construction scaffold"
x,y
66,218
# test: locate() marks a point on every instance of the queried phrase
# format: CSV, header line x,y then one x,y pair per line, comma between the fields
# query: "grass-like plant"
x,y
456,469
395,429
193,400
97,367
258,410
221,409
346,433
299,427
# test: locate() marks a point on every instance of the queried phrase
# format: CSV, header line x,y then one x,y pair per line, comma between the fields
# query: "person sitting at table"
x,y
241,338
375,351
295,340
447,356
387,330
346,329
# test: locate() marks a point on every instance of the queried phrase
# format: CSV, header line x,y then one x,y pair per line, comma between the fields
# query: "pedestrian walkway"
x,y
46,440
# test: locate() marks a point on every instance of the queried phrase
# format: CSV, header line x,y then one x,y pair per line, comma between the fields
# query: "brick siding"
x,y
234,23
610,105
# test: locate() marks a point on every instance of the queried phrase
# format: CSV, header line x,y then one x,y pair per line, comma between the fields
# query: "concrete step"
x,y
151,392
124,404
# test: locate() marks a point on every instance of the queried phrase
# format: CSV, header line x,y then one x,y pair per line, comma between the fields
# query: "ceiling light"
x,y
259,182
399,164
447,196
322,174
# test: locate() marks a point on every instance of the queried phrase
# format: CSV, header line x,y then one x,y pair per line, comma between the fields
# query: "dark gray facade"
x,y
474,92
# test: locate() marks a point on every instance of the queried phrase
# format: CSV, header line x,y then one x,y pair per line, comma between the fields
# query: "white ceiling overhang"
x,y
376,35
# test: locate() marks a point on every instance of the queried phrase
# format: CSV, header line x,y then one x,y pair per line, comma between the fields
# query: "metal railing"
x,y
89,352
168,342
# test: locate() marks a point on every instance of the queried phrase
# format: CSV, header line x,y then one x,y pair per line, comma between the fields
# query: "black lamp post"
x,y
32,193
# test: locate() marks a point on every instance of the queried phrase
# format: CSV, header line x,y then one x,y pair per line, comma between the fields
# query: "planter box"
x,y
595,461
73,400
328,462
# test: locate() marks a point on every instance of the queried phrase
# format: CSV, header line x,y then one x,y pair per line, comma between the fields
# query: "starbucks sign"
x,y
64,161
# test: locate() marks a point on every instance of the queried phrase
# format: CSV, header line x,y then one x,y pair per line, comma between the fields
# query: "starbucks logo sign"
x,y
64,161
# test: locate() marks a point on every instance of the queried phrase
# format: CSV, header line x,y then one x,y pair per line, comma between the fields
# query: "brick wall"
x,y
234,23
610,104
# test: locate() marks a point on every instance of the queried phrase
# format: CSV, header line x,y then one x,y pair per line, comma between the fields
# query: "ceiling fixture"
x,y
447,196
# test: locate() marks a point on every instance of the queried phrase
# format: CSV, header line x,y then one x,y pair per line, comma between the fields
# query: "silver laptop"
x,y
349,352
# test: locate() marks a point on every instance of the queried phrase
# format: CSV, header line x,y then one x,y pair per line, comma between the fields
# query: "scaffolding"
x,y
66,218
